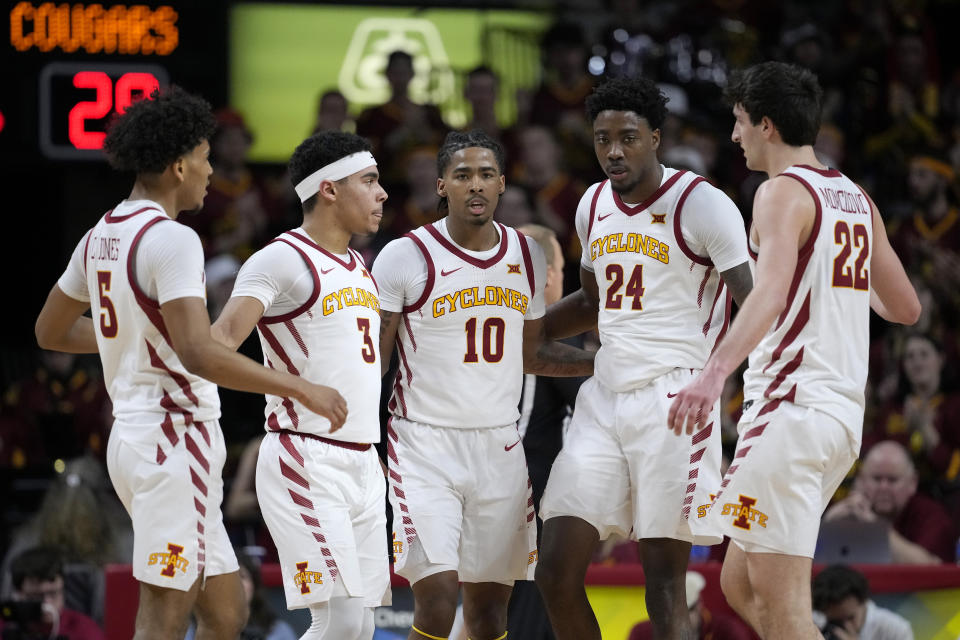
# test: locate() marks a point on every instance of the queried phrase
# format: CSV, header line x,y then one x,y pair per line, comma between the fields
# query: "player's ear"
x,y
442,188
328,190
503,184
655,139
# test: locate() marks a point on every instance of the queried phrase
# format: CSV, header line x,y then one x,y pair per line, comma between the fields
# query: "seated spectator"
x,y
703,622
38,576
885,488
922,417
843,610
263,623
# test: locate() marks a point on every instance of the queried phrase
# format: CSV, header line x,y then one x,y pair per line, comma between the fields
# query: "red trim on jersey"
x,y
754,432
201,509
292,328
703,285
869,202
203,432
349,266
696,455
148,305
287,443
290,474
277,347
787,369
457,251
109,218
713,305
161,456
86,251
695,473
773,404
403,359
806,251
176,376
727,308
343,444
826,173
363,265
703,434
678,232
528,262
406,323
306,306
194,450
803,317
167,427
198,482
742,451
593,207
656,195
299,500
272,423
431,274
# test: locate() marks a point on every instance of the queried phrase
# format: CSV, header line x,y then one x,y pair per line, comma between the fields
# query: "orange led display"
x,y
118,29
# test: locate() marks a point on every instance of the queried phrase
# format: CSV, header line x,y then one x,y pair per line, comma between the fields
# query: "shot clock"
x,y
71,66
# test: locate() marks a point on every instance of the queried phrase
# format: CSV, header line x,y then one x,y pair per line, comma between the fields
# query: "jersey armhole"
x,y
431,274
528,263
313,296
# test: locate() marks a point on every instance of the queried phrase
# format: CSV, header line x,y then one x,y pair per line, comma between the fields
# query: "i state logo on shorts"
x,y
744,513
304,578
397,545
171,560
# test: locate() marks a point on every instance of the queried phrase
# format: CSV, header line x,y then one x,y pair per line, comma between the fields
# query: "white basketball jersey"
x,y
331,340
816,353
662,307
461,343
147,382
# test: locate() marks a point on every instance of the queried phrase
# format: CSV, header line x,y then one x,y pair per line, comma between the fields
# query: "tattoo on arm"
x,y
561,360
739,280
386,320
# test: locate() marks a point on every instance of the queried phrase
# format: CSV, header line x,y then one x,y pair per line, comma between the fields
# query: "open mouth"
x,y
616,171
477,206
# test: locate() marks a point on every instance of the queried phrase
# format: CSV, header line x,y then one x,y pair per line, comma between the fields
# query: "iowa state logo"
x,y
303,578
744,513
171,559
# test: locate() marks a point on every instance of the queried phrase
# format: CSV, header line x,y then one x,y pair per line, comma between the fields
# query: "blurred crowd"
x,y
891,122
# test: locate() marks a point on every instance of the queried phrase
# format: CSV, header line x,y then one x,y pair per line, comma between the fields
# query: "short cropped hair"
x,y
455,141
640,95
318,151
835,584
152,133
40,563
787,94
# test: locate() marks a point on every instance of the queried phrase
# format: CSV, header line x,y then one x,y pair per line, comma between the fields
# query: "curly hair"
x,y
318,151
456,141
152,133
640,95
787,94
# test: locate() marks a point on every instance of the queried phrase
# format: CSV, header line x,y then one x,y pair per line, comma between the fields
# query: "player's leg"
x,y
164,614
339,618
221,608
735,584
781,587
485,609
566,549
434,605
665,566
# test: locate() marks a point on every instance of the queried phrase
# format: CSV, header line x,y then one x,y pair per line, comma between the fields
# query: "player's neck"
x,y
164,197
473,237
646,188
781,157
327,234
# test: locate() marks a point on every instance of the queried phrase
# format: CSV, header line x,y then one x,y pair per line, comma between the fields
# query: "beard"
x,y
627,187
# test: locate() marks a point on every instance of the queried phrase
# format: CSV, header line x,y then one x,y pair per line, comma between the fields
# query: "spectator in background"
x,y
843,610
240,210
480,90
263,623
516,208
704,623
885,488
923,418
81,517
332,113
413,203
38,576
400,124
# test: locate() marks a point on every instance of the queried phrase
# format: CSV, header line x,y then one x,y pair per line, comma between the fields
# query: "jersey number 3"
x,y
843,276
369,352
108,315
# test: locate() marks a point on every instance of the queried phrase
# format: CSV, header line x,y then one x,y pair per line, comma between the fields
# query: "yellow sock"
x,y
498,637
427,635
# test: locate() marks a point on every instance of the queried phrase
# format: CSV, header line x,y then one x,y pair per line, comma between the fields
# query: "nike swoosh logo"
x,y
326,271
602,218
446,273
671,395
506,448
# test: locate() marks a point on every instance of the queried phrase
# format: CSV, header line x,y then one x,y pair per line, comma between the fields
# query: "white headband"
x,y
345,166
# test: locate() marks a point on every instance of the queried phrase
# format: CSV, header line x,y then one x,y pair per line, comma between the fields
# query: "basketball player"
x,y
141,275
663,250
465,295
316,309
822,259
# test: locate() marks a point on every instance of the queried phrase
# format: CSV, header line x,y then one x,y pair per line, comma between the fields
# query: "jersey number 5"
x,y
858,278
108,315
634,286
369,352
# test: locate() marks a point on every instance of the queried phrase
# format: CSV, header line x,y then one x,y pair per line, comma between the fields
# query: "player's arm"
x,y
892,295
237,320
576,312
549,358
188,325
61,325
389,324
782,212
739,281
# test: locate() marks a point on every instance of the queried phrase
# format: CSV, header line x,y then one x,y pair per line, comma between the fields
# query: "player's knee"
x,y
226,620
553,578
486,620
436,608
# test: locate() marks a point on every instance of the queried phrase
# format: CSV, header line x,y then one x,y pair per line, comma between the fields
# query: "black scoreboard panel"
x,y
66,68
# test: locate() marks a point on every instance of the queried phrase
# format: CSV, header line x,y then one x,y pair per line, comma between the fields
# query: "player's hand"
x,y
326,402
691,408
